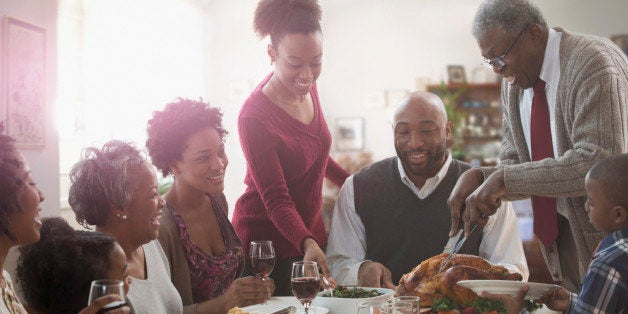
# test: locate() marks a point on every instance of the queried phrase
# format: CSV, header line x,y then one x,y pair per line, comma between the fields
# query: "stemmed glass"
x,y
101,288
304,282
262,258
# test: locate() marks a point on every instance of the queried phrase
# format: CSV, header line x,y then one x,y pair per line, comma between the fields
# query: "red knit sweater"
x,y
286,163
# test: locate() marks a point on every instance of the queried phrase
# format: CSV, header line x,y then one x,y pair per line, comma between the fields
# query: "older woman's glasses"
x,y
498,63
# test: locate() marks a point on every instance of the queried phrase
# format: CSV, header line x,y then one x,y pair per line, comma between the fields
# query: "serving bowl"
x,y
349,305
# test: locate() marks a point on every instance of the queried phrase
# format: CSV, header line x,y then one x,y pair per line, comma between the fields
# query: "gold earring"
x,y
123,217
272,62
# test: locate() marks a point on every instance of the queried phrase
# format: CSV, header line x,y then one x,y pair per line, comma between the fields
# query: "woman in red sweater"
x,y
286,142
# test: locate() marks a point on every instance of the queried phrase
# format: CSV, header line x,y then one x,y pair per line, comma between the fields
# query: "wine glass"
x,y
304,282
262,258
412,300
373,307
101,288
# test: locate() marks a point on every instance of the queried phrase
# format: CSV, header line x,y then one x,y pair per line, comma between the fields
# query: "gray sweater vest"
x,y
401,229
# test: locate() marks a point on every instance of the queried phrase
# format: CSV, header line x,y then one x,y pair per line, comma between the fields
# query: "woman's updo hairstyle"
x,y
280,17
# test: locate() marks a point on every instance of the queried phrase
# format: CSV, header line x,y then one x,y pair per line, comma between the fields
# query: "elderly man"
x,y
565,103
392,215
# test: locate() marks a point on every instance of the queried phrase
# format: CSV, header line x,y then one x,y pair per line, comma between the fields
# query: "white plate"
x,y
536,290
268,308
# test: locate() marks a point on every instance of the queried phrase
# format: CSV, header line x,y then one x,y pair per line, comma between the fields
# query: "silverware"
x,y
285,310
455,250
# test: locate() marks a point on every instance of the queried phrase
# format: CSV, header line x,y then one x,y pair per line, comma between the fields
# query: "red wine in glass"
x,y
262,258
304,282
305,288
262,266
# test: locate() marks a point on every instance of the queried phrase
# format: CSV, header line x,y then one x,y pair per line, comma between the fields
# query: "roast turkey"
x,y
426,282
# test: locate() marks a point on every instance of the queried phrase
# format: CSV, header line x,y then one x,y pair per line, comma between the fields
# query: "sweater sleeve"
x,y
598,129
260,152
335,173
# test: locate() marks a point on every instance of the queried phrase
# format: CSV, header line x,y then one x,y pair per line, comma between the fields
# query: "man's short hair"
x,y
512,16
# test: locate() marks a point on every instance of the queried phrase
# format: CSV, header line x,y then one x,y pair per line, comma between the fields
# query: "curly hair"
x,y
280,17
511,16
612,174
169,129
99,183
55,273
10,184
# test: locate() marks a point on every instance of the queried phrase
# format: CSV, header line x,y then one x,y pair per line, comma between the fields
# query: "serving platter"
x,y
536,289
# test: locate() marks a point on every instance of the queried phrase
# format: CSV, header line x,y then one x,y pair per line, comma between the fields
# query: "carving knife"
x,y
455,250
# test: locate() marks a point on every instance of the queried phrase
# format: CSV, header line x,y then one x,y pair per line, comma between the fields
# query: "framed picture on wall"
x,y
456,75
24,80
349,134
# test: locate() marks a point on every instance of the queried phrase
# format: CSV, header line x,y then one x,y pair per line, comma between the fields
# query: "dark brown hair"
x,y
280,17
10,184
169,129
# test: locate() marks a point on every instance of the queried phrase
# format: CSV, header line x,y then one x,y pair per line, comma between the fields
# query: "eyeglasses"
x,y
498,63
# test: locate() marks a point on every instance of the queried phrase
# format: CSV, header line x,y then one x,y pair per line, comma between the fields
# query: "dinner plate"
x,y
269,308
536,290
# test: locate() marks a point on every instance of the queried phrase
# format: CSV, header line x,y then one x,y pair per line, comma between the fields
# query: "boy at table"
x,y
605,287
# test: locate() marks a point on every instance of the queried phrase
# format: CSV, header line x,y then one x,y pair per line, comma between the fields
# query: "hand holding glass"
x,y
304,282
100,288
262,258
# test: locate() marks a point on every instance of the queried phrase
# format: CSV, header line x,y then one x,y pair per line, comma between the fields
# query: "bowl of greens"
x,y
345,300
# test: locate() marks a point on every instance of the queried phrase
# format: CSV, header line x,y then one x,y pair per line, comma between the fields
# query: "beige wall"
x,y
44,162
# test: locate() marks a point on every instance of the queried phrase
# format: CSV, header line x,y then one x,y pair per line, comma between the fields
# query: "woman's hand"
x,y
312,252
248,291
100,303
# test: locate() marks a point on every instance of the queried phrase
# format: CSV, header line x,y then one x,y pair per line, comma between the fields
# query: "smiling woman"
x,y
115,189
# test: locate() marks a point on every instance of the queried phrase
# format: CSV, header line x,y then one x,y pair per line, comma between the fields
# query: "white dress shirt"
x,y
346,248
550,73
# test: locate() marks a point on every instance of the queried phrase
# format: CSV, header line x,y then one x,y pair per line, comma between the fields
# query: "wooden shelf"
x,y
482,122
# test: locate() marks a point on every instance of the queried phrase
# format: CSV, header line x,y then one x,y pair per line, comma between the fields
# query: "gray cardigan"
x,y
591,123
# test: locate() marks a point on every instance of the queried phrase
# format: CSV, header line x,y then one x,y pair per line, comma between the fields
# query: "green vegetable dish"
x,y
479,305
353,293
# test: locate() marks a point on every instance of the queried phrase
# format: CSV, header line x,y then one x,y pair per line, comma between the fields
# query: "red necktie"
x,y
544,208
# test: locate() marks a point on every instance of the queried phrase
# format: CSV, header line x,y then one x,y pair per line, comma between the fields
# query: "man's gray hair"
x,y
511,16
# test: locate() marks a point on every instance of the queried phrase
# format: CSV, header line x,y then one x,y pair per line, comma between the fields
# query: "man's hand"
x,y
373,274
484,201
467,183
557,300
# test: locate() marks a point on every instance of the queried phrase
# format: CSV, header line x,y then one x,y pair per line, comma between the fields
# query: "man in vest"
x,y
565,108
393,214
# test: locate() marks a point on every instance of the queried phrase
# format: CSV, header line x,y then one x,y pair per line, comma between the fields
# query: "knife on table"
x,y
285,310
455,250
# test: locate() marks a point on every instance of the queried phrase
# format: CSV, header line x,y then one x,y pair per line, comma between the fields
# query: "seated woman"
x,y
19,220
115,189
56,273
186,140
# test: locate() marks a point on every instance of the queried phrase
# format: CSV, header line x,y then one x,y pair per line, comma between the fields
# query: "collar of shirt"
x,y
550,73
430,184
611,240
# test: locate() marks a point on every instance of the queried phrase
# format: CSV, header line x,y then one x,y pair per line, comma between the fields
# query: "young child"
x,y
605,287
